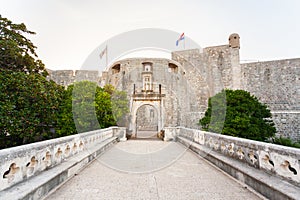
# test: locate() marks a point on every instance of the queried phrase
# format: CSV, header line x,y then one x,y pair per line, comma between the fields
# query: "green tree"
x,y
65,121
119,104
17,53
87,107
103,108
91,107
245,117
120,107
109,88
29,108
34,109
83,106
286,142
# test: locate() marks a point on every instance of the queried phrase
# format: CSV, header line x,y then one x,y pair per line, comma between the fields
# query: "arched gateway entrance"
x,y
146,121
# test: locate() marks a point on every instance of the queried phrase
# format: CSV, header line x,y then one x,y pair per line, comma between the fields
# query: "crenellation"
x,y
191,76
68,77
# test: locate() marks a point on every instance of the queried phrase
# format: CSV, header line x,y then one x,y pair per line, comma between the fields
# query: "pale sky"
x,y
68,31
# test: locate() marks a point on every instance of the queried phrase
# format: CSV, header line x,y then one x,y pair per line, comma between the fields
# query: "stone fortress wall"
x,y
180,87
67,77
165,78
277,84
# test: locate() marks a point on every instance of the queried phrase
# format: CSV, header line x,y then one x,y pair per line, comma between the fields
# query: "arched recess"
x,y
116,68
173,68
147,119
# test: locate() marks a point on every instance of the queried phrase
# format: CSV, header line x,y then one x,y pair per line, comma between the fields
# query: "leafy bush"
x,y
87,107
245,116
34,109
29,107
17,53
286,142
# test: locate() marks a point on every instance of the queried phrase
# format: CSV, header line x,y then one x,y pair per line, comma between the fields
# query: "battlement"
x,y
191,76
67,77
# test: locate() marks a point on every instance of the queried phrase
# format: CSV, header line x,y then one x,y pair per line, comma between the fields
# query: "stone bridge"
x,y
188,164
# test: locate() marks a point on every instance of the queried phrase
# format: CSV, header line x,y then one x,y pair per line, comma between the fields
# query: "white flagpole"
x,y
184,43
106,56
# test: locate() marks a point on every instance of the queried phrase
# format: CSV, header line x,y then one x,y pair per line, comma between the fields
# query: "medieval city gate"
x,y
146,121
147,118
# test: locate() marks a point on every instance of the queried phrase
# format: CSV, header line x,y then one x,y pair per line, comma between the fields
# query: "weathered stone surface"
x,y
67,77
278,160
39,185
20,163
234,40
192,76
268,185
189,177
277,83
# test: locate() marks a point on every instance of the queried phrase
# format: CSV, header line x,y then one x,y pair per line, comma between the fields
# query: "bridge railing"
x,y
274,159
19,163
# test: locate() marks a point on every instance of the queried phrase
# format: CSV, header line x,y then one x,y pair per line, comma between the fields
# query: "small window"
x,y
147,83
173,68
147,66
116,69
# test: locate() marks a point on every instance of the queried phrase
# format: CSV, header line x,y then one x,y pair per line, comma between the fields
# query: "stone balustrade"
x,y
274,159
19,163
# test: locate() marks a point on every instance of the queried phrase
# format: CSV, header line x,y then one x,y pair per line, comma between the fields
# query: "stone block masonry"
x,y
67,77
271,170
277,84
32,171
190,77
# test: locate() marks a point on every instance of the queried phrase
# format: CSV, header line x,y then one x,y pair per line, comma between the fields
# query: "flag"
x,y
103,52
180,38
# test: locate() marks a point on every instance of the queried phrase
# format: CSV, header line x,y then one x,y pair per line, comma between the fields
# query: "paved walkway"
x,y
147,134
143,169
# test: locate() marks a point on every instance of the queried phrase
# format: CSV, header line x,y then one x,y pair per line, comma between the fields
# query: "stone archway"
x,y
147,121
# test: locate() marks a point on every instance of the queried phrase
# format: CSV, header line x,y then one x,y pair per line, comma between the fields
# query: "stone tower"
x,y
175,92
234,40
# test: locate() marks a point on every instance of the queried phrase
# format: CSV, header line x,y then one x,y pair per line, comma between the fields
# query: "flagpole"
x,y
106,56
184,43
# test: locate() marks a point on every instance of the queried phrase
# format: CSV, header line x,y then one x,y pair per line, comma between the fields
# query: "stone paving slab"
x,y
187,176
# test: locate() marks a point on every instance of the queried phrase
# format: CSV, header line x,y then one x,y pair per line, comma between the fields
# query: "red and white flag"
x,y
180,38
